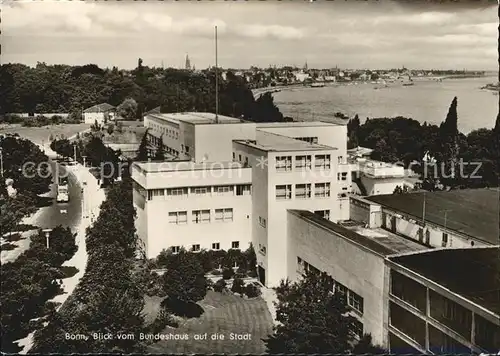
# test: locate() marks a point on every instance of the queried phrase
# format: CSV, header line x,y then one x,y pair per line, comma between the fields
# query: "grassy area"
x,y
224,314
42,134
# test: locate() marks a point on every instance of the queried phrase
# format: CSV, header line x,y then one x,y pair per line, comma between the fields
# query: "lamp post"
x,y
1,161
47,234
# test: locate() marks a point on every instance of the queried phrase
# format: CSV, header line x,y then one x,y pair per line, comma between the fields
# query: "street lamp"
x,y
1,160
47,234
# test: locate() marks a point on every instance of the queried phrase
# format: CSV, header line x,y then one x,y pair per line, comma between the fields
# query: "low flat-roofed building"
x,y
354,257
457,218
445,301
193,205
197,136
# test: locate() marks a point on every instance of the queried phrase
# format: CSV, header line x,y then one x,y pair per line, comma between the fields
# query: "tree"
x,y
353,131
127,109
312,319
237,286
143,153
185,278
110,129
448,131
365,346
160,152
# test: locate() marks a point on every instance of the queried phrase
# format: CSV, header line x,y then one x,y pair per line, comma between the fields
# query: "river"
x,y
427,100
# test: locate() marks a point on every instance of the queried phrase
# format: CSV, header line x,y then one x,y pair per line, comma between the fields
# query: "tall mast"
x,y
216,82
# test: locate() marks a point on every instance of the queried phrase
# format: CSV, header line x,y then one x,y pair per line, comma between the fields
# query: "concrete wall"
x,y
330,135
357,268
162,234
365,211
379,186
214,142
92,117
410,228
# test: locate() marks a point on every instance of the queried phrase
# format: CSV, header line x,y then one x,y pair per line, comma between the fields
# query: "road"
x,y
65,214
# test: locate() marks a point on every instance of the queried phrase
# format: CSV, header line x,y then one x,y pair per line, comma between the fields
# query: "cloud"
x,y
271,31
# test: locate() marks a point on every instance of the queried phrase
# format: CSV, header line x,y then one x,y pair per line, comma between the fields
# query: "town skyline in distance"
x,y
348,35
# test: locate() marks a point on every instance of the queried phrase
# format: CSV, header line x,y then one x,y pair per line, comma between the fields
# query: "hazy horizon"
x,y
355,35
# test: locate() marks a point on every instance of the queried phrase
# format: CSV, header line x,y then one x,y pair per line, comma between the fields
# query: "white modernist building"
x,y
230,183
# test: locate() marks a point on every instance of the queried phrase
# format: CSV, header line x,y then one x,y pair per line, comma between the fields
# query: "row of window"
x,y
157,141
220,190
169,132
197,247
354,300
284,163
303,191
201,216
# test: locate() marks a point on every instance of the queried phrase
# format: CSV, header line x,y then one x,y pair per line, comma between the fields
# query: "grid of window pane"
x,y
303,191
177,192
201,216
224,190
322,161
177,217
283,163
283,192
235,244
303,162
322,190
355,301
200,190
224,214
216,246
243,189
195,248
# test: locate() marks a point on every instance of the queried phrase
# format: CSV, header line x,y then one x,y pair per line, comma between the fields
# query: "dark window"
x,y
407,323
408,290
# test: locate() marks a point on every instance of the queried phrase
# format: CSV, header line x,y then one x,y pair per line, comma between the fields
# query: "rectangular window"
x,y
154,193
302,191
235,244
201,216
182,148
283,163
177,192
243,189
239,156
187,148
175,249
284,192
303,162
445,239
201,190
322,190
224,190
216,246
224,215
341,289
177,217
325,214
355,301
234,156
322,161
342,176
262,221
195,248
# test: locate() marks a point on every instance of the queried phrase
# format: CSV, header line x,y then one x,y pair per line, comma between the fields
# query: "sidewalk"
x,y
93,196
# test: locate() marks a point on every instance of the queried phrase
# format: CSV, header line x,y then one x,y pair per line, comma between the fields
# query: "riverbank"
x,y
427,100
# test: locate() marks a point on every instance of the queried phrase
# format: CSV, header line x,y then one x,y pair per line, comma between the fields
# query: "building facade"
x,y
192,205
99,113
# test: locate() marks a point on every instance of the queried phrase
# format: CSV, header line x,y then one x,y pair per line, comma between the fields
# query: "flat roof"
x,y
197,118
472,212
297,124
267,141
184,165
379,241
471,272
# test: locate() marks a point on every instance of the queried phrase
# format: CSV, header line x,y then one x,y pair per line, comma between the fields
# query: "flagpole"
x,y
216,81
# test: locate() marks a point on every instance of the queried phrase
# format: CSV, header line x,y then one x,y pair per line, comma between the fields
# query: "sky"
x,y
349,34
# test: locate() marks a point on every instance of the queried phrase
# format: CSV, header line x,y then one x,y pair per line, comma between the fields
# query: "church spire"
x,y
188,63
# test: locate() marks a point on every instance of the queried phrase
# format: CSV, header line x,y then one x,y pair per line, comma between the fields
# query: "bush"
x,y
227,273
239,275
163,320
251,291
215,272
220,285
238,286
